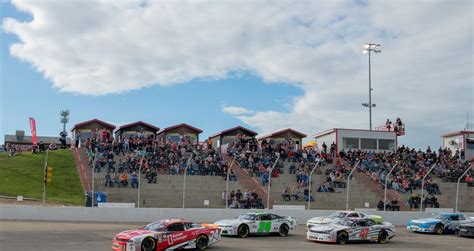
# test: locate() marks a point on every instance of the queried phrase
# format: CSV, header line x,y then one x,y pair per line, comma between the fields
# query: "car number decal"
x,y
264,226
364,232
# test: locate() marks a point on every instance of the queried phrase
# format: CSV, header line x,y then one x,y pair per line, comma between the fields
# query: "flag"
x,y
33,130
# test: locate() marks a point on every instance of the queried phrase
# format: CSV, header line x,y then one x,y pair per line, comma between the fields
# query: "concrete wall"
x,y
14,212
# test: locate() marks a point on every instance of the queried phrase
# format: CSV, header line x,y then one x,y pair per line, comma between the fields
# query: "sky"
x,y
266,65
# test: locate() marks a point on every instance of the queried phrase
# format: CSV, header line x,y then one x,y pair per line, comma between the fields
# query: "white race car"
x,y
347,230
336,216
257,223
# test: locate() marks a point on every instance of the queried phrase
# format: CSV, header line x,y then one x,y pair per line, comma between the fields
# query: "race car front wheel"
x,y
438,229
148,244
342,238
283,230
201,242
383,237
243,231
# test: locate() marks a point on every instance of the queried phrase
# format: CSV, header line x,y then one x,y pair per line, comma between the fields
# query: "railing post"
x,y
139,179
457,187
44,177
184,178
269,181
227,183
385,190
309,188
348,184
423,186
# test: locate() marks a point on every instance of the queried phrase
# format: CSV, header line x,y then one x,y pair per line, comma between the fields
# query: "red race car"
x,y
168,234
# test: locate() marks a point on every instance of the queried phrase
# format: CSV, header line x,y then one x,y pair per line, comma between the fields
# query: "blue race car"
x,y
438,224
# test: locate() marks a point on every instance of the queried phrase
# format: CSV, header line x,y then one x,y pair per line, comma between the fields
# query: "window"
x,y
353,215
454,217
386,144
350,143
176,227
368,144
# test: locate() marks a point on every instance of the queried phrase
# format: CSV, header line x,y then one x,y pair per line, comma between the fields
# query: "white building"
x,y
351,139
460,140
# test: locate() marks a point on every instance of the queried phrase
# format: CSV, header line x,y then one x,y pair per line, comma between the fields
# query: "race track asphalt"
x,y
75,236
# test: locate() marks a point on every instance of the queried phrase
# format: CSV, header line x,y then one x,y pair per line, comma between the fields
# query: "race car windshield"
x,y
246,217
155,226
338,215
437,216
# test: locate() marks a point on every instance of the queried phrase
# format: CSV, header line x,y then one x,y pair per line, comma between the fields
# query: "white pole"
x,y
44,177
93,177
184,179
309,188
423,186
227,183
457,187
349,183
385,189
139,179
269,181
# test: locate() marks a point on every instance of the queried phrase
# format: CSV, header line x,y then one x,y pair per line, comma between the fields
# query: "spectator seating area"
x,y
117,162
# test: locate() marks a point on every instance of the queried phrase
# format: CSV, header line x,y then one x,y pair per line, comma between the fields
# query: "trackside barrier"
x,y
96,214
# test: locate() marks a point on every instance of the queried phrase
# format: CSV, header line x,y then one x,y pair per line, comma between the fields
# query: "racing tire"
x,y
202,242
438,229
342,238
243,231
283,231
457,232
383,237
148,244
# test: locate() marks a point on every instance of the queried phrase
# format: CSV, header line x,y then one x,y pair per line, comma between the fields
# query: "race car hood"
x,y
321,220
129,234
230,222
426,221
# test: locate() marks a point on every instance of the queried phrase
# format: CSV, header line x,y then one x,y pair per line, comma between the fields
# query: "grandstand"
x,y
205,182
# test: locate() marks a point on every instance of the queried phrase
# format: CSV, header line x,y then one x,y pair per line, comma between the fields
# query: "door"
x,y
176,234
264,223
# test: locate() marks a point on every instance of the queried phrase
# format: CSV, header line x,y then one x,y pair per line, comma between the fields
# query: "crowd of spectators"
x,y
153,157
246,199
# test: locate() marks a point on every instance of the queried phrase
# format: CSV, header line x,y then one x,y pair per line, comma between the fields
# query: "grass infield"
x,y
23,175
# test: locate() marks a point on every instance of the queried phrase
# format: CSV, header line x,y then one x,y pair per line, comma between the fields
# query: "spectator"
x,y
134,180
124,179
286,194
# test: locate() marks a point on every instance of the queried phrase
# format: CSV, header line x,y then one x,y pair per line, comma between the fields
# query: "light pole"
x,y
368,48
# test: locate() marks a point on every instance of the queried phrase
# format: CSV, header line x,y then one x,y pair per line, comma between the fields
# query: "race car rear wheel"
x,y
243,231
439,229
283,231
148,244
383,237
201,242
342,238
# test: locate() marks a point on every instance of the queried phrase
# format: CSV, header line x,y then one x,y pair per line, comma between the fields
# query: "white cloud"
x,y
234,110
424,73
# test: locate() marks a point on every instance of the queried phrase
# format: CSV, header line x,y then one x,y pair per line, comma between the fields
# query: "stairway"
x,y
85,172
249,183
377,188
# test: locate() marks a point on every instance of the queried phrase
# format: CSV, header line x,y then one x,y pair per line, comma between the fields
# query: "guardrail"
x,y
15,212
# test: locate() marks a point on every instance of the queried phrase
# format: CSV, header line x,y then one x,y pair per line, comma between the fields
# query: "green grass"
x,y
23,175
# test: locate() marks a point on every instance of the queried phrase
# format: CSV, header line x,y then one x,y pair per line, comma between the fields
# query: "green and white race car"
x,y
257,223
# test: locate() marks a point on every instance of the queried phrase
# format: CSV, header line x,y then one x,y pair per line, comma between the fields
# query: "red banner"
x,y
33,130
